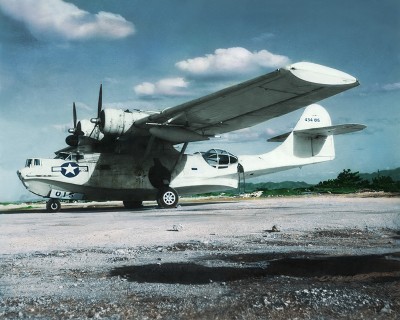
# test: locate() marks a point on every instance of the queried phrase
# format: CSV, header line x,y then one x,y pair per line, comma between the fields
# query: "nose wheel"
x,y
167,198
53,205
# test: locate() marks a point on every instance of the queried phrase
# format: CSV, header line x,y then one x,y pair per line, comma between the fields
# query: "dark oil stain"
x,y
311,266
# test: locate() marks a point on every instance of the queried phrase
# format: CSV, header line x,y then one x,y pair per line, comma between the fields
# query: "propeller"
x,y
73,130
97,120
73,139
99,107
77,135
76,132
100,102
74,114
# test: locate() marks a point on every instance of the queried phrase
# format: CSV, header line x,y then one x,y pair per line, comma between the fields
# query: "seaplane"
x,y
134,156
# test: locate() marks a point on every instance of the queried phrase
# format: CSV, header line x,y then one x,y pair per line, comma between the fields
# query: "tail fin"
x,y
303,146
311,140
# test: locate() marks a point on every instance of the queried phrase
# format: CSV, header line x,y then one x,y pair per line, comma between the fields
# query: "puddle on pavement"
x,y
305,267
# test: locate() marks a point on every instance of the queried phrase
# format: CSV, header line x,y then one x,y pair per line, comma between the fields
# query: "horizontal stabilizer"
x,y
280,138
321,131
331,130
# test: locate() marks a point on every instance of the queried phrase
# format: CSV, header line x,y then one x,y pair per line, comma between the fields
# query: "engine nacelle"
x,y
88,129
117,122
85,133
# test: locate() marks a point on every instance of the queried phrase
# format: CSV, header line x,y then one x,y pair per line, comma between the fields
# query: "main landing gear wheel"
x,y
53,205
167,198
132,204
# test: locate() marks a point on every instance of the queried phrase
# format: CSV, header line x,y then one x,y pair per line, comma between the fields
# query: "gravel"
x,y
286,258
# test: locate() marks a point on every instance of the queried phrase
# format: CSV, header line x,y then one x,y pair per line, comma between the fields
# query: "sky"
x,y
155,54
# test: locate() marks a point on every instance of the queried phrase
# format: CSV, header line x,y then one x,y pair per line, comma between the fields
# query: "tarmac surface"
x,y
275,258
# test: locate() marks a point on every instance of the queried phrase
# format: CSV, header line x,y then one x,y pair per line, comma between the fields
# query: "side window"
x,y
37,162
212,160
219,159
232,159
223,159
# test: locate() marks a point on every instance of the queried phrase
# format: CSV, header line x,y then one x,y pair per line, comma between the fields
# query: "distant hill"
x,y
393,173
250,187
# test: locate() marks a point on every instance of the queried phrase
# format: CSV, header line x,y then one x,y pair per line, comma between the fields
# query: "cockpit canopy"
x,y
69,156
219,159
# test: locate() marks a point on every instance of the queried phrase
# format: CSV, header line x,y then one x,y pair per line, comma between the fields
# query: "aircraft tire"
x,y
132,204
167,198
53,205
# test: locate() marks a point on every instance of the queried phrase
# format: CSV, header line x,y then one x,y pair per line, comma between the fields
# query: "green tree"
x,y
348,178
385,183
346,181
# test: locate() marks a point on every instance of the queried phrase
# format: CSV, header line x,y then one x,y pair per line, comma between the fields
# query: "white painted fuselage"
x,y
134,177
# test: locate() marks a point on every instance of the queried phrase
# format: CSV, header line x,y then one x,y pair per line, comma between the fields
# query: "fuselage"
x,y
112,176
126,176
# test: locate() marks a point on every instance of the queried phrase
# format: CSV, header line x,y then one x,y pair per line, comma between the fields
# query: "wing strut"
x,y
149,146
242,179
180,155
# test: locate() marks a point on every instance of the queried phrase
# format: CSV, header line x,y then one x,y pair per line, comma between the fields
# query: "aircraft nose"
x,y
21,176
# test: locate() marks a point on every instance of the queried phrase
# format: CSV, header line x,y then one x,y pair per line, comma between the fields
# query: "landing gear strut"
x,y
167,198
53,205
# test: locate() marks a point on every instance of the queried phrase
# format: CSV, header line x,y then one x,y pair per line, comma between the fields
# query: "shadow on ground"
x,y
381,267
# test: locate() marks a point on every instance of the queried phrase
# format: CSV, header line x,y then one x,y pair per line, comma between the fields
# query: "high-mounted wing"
x,y
248,103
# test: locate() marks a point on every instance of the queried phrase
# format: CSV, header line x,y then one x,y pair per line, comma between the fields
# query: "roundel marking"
x,y
70,169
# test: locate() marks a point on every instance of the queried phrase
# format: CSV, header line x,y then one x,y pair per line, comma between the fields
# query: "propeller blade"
x,y
78,130
100,104
94,127
74,114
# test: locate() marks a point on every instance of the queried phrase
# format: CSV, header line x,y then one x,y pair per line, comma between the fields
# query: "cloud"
x,y
379,88
62,127
391,86
263,37
57,20
248,135
230,61
165,87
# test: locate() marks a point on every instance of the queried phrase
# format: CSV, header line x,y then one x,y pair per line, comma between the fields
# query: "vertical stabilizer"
x,y
312,145
302,147
311,141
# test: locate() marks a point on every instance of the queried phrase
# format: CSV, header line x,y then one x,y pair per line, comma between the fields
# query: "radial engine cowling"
x,y
88,129
117,122
85,133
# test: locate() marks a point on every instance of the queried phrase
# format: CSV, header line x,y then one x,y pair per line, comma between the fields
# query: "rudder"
x,y
319,147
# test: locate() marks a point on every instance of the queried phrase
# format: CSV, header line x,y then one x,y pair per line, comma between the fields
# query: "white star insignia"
x,y
70,169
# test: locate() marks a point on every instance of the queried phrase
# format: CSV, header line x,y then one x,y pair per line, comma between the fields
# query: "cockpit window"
x,y
61,155
69,156
219,159
33,162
